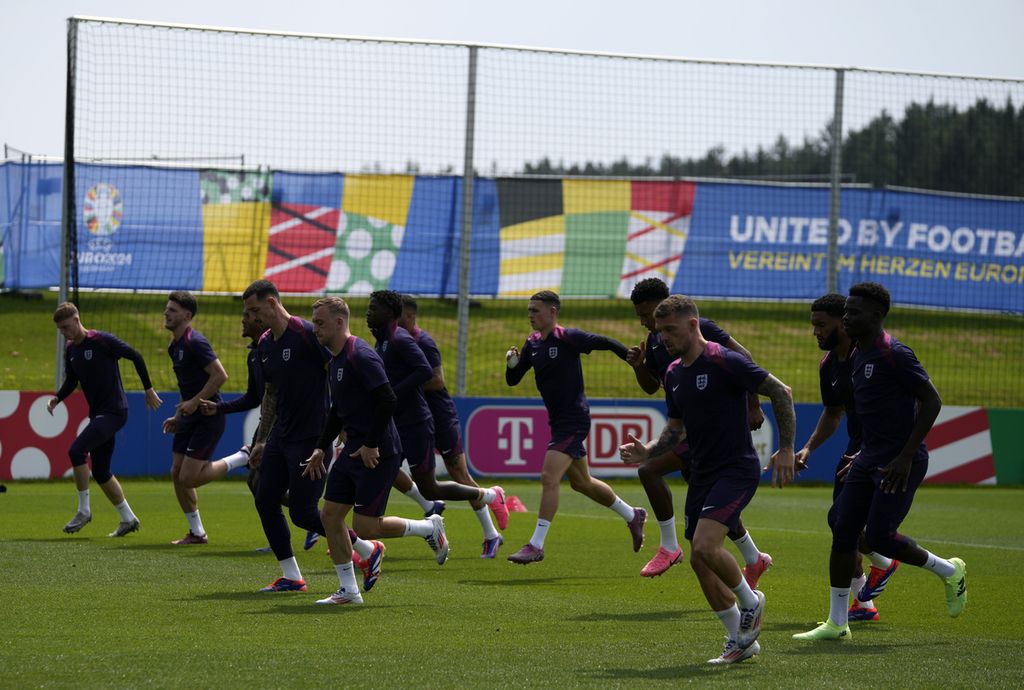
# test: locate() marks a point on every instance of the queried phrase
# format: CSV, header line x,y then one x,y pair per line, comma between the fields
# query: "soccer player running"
x,y
837,398
650,362
448,436
90,358
707,404
200,376
408,370
362,403
553,352
293,366
252,398
897,405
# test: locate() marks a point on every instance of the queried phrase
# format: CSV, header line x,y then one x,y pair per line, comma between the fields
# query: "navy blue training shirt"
x,y
408,370
353,374
296,365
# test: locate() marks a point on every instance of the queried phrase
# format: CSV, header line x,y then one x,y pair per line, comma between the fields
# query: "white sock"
x,y
540,533
489,495
125,511
290,569
239,459
362,547
419,528
839,605
414,494
747,549
857,584
744,595
83,502
730,618
879,561
195,525
624,510
939,566
346,576
669,540
484,516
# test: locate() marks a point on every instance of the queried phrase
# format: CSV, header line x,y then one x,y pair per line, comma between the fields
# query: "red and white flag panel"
x,y
960,447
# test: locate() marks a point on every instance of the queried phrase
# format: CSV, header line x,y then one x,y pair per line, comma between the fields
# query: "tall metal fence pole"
x,y
832,280
466,236
68,201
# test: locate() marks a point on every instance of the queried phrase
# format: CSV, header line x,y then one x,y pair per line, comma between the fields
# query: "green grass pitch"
x,y
88,611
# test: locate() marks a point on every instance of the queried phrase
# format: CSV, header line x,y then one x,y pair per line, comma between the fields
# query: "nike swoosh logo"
x,y
706,508
674,387
835,382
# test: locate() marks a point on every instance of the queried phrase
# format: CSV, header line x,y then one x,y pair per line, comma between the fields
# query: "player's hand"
x,y
51,404
153,400
634,452
187,407
782,463
255,454
801,458
755,415
207,407
170,425
635,356
897,473
314,465
369,456
512,357
845,463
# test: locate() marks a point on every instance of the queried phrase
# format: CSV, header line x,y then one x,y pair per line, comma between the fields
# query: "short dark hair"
x,y
261,289
832,304
676,304
409,302
649,290
184,299
875,292
547,297
65,310
390,299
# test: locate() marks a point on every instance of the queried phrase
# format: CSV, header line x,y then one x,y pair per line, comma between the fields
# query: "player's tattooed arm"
x,y
782,405
671,435
268,413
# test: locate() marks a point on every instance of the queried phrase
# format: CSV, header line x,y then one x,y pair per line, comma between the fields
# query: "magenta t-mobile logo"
x,y
507,439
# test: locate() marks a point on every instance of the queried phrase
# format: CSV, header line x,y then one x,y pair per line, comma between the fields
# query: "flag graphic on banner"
x,y
960,447
658,225
302,239
370,232
236,219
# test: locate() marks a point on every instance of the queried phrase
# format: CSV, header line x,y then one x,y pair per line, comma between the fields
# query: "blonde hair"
x,y
65,310
335,305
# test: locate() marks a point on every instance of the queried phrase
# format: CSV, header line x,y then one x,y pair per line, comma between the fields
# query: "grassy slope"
x,y
974,359
88,611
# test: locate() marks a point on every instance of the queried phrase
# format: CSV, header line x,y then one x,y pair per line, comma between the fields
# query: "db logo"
x,y
512,440
610,428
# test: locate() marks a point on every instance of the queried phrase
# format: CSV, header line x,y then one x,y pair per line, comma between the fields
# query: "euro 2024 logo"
x,y
103,211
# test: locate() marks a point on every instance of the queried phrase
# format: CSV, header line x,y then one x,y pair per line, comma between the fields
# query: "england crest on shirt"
x,y
341,373
88,355
552,352
286,354
869,369
181,354
702,381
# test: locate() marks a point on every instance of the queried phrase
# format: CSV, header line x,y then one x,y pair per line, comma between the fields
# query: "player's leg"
x,y
418,446
369,521
339,496
405,485
303,493
198,468
273,482
713,509
846,518
455,463
556,463
888,510
583,482
755,561
652,476
102,455
78,452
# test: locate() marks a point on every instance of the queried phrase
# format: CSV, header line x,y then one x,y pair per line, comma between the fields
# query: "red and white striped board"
x,y
960,447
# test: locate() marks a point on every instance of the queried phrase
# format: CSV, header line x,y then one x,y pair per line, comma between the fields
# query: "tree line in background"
x,y
979,150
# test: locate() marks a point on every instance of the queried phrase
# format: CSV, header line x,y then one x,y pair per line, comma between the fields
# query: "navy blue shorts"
x,y
352,483
863,507
721,498
197,435
97,441
569,442
448,439
418,447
